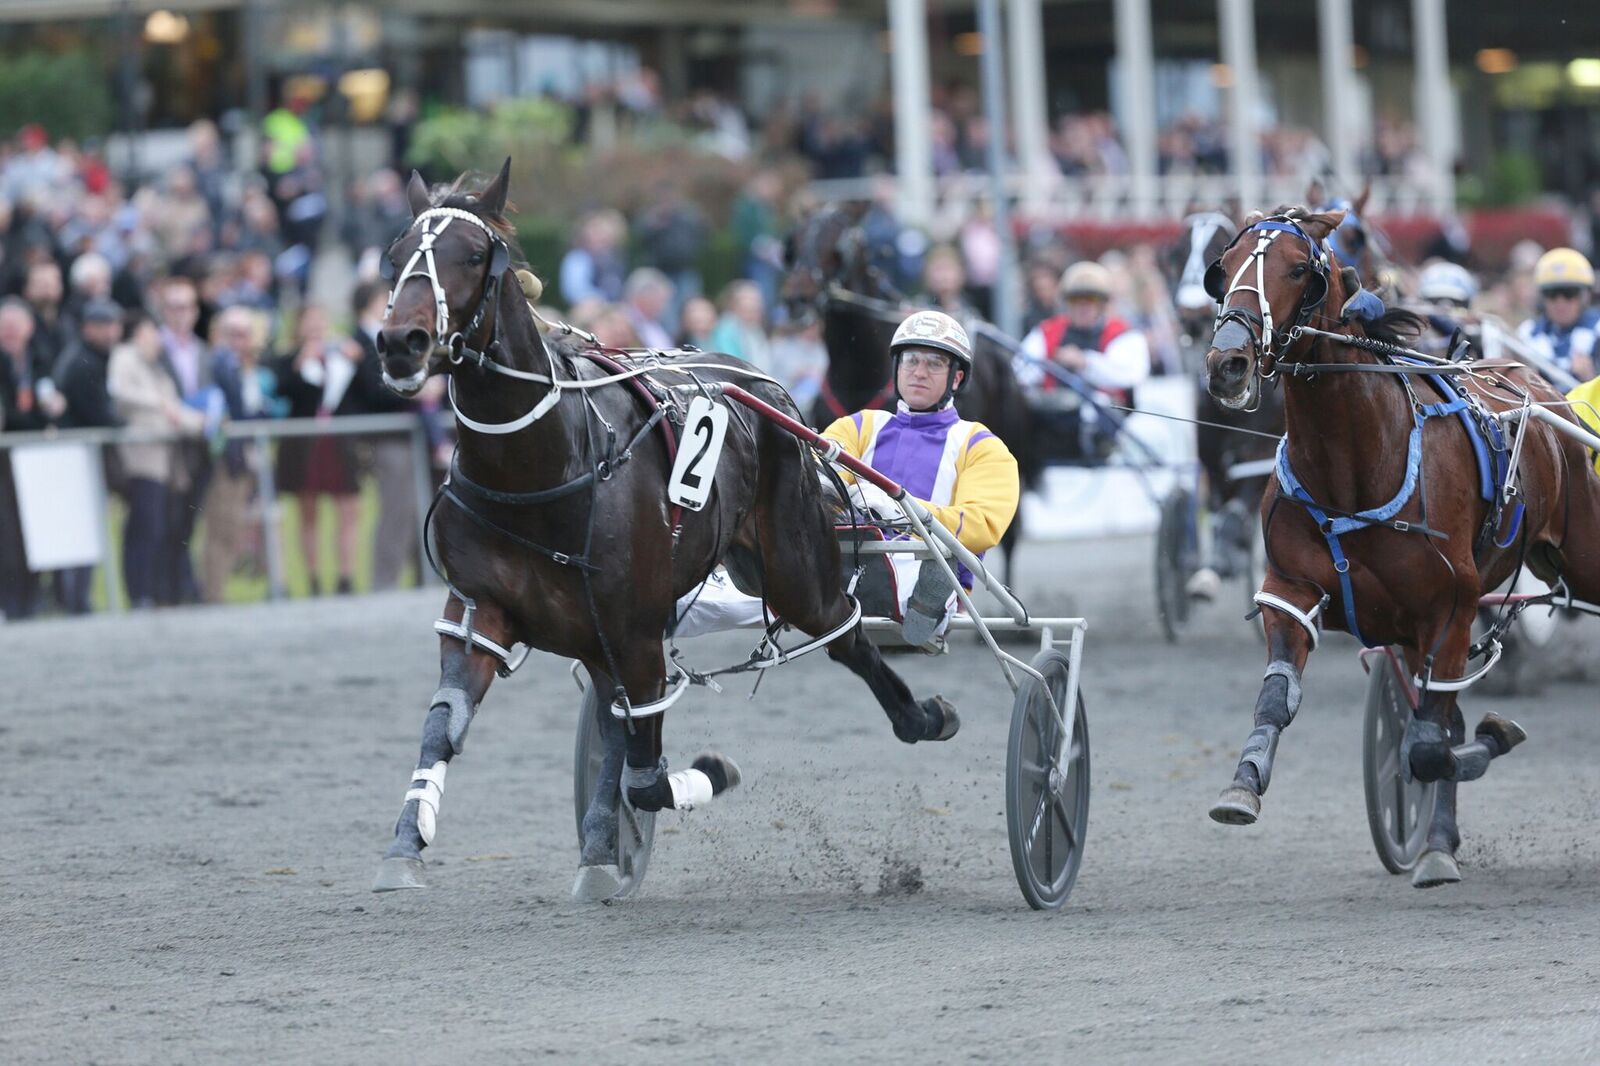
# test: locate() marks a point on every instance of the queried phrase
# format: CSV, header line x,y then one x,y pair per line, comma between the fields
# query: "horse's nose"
x,y
1229,370
399,340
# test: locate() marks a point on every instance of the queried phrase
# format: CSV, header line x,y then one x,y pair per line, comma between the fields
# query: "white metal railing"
x,y
1112,197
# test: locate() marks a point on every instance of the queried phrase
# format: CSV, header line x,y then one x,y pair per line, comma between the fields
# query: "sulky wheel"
x,y
1047,803
1398,810
1174,562
636,830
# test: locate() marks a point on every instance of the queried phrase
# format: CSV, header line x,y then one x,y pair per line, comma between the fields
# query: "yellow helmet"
x,y
1563,268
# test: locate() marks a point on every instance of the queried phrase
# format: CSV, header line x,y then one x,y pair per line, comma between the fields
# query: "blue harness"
x,y
1488,447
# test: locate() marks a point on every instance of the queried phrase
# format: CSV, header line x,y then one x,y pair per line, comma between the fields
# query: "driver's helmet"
x,y
934,329
1448,283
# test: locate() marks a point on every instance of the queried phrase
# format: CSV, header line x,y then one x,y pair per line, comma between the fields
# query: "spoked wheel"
x,y
636,830
1173,562
1047,803
1398,811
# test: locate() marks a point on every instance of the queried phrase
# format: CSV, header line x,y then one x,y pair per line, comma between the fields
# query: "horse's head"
x,y
826,248
1274,276
447,268
1205,237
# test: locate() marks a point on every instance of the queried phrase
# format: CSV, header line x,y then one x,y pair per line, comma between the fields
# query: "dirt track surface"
x,y
198,800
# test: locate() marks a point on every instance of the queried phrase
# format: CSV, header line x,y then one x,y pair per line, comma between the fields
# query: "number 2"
x,y
702,428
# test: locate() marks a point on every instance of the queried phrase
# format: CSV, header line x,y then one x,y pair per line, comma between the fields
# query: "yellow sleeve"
x,y
986,493
1586,407
844,432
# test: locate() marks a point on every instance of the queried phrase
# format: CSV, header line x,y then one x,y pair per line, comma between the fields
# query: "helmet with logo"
x,y
939,331
1563,268
1447,283
1087,278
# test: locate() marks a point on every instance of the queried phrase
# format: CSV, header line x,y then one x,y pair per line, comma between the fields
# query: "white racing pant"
x,y
720,606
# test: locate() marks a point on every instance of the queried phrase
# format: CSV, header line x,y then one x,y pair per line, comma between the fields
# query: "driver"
x,y
1564,331
959,470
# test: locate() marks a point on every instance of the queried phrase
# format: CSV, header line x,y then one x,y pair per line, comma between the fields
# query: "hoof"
x,y
596,884
723,771
1236,806
398,872
1506,733
1435,868
949,721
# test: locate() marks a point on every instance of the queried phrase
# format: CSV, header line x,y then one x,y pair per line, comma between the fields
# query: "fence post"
x,y
420,468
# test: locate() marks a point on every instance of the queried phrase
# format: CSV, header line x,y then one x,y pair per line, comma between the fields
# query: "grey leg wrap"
x,y
1420,731
1472,760
461,711
1291,701
647,787
1259,750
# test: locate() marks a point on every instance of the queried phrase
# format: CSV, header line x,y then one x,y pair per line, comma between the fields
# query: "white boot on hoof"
x,y
1204,584
1435,868
596,884
1236,806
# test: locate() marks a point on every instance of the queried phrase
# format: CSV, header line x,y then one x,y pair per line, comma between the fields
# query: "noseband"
x,y
1259,328
433,223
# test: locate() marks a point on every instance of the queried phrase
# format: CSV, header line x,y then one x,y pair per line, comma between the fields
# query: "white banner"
x,y
61,495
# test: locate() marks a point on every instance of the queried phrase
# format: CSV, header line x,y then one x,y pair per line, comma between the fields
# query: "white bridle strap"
x,y
434,222
1259,258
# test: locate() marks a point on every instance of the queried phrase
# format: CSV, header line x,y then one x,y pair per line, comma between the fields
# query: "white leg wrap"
x,y
690,789
428,797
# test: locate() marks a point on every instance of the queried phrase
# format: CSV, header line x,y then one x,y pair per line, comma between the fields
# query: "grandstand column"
x,y
1007,310
1029,107
1338,94
1435,113
913,152
1137,64
1239,56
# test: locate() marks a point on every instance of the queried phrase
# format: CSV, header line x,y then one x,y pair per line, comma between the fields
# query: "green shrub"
x,y
65,92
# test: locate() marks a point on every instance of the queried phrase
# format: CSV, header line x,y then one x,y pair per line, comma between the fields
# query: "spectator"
x,y
178,215
51,332
80,376
648,303
34,170
22,408
592,268
755,233
381,213
394,539
800,361
315,378
187,360
90,278
672,235
741,331
1043,277
697,323
944,280
248,392
146,398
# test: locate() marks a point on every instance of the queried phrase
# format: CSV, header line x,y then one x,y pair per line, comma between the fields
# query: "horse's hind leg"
x,y
464,677
1435,748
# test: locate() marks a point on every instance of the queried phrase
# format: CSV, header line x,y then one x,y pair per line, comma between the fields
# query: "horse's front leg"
x,y
1435,748
464,677
1288,646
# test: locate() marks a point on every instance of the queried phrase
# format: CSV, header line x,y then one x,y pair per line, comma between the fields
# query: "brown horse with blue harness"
x,y
1404,487
555,530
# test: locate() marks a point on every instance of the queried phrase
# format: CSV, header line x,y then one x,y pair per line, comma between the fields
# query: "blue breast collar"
x,y
1488,447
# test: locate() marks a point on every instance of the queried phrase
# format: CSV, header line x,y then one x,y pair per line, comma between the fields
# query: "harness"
x,y
1494,471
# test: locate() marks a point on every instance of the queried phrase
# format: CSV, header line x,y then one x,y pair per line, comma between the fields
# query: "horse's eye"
x,y
1298,272
476,260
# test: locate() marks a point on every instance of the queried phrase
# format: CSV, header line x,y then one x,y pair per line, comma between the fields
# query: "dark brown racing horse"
x,y
555,530
832,275
1377,522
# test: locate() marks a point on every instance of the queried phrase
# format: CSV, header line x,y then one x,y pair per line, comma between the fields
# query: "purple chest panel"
x,y
909,448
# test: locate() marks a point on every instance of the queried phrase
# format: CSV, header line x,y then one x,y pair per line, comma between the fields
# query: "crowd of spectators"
x,y
174,308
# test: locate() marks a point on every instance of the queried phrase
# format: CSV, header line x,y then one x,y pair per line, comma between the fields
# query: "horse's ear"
x,y
493,198
417,194
1253,217
1359,208
1349,279
1319,226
